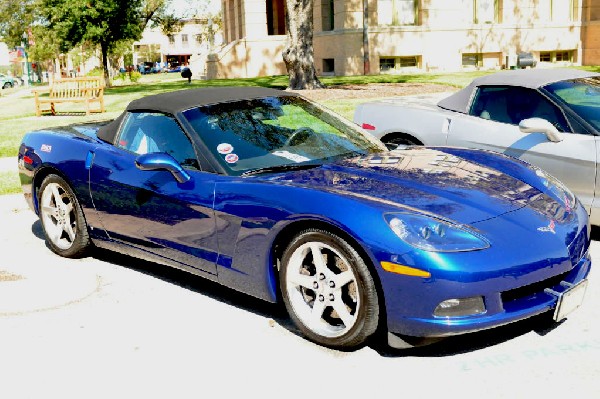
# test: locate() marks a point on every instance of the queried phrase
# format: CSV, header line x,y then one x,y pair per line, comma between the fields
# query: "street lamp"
x,y
25,47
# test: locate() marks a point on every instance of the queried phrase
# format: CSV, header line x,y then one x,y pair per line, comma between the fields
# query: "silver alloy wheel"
x,y
323,289
58,214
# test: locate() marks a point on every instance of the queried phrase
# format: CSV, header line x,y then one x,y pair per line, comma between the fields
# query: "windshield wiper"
x,y
281,168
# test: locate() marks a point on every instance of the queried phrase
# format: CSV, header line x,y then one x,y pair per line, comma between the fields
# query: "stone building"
x,y
355,37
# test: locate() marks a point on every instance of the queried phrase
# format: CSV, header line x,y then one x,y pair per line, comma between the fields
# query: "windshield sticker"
x,y
231,158
46,148
224,148
291,156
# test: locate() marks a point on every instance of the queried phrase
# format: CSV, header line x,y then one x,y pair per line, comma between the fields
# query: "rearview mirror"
x,y
162,161
539,125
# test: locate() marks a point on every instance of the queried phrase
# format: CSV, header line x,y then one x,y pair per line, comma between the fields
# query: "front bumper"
x,y
502,308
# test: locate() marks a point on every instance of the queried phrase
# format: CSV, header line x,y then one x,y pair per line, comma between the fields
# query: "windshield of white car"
x,y
580,95
274,132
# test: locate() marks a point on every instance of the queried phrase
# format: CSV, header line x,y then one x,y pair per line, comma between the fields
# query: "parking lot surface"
x,y
110,326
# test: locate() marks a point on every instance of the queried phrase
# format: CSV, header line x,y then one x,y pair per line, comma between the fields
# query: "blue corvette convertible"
x,y
275,196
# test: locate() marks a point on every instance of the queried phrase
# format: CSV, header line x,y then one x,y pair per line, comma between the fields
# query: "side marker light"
x,y
405,270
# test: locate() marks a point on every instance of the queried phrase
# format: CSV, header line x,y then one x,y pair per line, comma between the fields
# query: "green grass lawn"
x,y
17,114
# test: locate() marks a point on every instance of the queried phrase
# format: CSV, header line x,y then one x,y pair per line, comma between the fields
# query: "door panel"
x,y
150,210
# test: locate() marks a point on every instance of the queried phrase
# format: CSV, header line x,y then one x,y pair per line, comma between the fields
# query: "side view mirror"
x,y
539,125
162,161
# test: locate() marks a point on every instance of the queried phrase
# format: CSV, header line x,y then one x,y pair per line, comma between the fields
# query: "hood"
x,y
424,179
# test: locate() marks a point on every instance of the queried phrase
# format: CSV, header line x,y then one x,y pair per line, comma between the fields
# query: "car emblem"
x,y
549,228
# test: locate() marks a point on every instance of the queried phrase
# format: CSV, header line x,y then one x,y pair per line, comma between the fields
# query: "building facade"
x,y
355,37
189,46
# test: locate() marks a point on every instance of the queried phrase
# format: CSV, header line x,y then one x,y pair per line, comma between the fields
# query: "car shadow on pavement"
x,y
450,346
198,285
465,343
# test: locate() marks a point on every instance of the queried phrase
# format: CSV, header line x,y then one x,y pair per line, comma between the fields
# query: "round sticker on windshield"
x,y
224,148
231,158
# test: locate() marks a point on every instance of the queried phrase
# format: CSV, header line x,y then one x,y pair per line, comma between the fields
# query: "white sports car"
x,y
549,118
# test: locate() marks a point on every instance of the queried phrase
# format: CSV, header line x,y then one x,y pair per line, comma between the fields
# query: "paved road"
x,y
113,327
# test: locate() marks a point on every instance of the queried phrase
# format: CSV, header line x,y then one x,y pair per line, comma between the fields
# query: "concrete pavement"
x,y
8,164
110,326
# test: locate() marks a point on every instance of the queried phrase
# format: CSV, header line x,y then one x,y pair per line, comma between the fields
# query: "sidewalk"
x,y
8,164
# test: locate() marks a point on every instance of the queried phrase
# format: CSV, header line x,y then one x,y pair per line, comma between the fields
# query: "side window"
x,y
145,132
513,104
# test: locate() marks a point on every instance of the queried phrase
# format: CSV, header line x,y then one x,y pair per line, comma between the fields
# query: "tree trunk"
x,y
299,54
105,66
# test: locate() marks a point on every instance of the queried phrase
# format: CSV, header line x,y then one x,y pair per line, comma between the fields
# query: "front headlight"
x,y
431,234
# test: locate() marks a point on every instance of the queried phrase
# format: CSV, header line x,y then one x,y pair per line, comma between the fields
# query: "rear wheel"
x,y
328,290
62,219
7,85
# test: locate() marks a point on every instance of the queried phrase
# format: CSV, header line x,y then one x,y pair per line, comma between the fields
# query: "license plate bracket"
x,y
568,300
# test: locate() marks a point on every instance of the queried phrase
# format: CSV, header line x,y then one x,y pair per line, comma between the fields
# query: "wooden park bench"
x,y
74,90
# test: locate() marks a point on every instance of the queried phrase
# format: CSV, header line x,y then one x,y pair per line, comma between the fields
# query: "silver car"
x,y
549,118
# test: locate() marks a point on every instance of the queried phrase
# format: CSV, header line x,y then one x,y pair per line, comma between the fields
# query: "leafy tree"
x,y
299,53
15,17
102,22
45,48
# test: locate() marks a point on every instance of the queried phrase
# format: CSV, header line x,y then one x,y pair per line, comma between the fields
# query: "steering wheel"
x,y
299,136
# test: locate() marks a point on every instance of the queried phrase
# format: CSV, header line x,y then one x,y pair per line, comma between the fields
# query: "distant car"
x,y
547,117
277,197
7,82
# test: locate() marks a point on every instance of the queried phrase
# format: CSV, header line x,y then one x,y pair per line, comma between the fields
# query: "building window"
x,y
276,17
397,12
198,39
556,10
184,40
408,62
563,10
328,65
171,39
564,56
594,13
327,14
385,64
472,60
486,11
557,56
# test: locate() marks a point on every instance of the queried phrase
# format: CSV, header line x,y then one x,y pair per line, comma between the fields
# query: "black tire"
x,y
341,316
7,85
62,219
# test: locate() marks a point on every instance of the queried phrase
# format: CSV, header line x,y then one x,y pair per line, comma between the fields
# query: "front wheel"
x,y
62,218
328,290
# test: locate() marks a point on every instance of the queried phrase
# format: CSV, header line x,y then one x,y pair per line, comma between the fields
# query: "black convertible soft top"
x,y
181,100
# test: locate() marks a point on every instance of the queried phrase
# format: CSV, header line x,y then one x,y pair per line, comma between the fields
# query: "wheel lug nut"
x,y
315,285
332,284
331,297
322,276
321,298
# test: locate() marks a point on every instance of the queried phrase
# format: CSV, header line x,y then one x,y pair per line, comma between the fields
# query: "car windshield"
x,y
276,133
580,95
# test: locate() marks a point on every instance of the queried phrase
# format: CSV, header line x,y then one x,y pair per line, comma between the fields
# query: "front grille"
x,y
532,289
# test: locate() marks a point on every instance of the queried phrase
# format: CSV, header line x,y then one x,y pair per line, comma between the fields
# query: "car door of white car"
x,y
493,125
